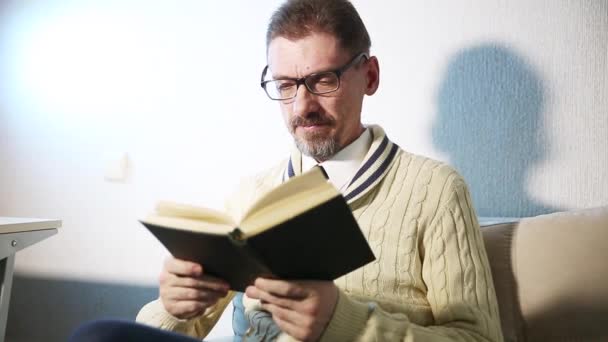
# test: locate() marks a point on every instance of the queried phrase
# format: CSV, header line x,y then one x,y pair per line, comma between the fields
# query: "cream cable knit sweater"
x,y
431,280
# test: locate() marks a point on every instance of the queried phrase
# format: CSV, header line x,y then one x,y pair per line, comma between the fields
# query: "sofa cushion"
x,y
498,239
556,286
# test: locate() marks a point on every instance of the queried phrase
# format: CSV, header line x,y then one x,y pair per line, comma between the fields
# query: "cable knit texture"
x,y
154,314
431,279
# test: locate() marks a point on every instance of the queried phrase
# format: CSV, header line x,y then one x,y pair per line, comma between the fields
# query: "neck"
x,y
346,143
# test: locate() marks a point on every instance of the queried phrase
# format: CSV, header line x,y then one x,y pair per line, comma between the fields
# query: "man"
x,y
431,279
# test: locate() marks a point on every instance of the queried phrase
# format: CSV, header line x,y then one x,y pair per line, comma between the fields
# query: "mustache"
x,y
313,118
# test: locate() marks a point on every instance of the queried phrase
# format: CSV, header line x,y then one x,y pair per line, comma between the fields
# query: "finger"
x,y
284,314
204,282
291,329
281,288
214,282
189,294
176,272
187,309
265,297
182,267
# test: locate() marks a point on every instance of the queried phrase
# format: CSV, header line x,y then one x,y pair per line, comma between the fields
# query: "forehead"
x,y
303,56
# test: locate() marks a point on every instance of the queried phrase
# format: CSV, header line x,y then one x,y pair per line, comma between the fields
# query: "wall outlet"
x,y
117,169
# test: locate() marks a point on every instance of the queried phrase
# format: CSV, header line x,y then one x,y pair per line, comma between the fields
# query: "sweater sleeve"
x,y
459,284
154,314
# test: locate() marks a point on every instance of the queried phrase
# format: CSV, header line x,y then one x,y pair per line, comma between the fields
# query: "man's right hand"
x,y
186,291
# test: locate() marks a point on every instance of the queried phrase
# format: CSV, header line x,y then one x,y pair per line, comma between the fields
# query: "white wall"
x,y
174,84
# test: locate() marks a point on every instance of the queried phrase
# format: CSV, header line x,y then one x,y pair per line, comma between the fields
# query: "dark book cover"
x,y
322,243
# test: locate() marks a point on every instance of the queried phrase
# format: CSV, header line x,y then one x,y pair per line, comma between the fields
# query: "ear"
x,y
372,75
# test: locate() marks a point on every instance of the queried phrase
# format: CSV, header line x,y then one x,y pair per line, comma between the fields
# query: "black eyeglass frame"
x,y
302,80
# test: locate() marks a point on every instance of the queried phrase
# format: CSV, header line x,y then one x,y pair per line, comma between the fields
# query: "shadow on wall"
x,y
489,122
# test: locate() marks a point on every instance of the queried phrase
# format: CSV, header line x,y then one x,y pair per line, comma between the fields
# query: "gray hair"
x,y
299,18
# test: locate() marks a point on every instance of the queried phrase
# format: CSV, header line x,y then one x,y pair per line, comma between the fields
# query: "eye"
x,y
323,83
324,79
283,85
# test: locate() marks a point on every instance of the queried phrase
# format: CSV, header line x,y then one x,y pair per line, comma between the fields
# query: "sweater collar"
x,y
344,164
371,171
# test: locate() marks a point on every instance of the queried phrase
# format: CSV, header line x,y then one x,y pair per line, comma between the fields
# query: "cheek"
x,y
285,112
339,107
354,99
332,106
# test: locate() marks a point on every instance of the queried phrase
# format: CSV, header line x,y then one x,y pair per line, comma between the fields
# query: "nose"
x,y
305,102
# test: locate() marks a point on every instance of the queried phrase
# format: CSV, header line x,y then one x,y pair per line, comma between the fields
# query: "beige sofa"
x,y
551,276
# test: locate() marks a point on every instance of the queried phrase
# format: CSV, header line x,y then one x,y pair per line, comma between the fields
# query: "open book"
x,y
303,229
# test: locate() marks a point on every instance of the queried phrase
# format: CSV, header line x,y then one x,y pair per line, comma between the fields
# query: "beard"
x,y
319,148
314,144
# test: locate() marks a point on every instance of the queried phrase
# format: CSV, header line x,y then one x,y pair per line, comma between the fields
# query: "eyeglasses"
x,y
318,83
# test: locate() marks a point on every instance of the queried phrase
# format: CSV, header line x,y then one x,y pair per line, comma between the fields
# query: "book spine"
x,y
238,238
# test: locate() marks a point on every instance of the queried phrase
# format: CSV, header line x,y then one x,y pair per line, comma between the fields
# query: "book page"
x,y
289,199
189,224
189,217
303,182
172,209
279,212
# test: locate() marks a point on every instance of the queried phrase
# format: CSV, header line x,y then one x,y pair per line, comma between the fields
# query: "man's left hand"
x,y
301,309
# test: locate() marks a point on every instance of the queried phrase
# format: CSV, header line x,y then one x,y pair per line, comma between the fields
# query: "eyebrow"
x,y
282,77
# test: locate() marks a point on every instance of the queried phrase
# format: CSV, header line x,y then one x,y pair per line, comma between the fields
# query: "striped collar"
x,y
343,165
374,167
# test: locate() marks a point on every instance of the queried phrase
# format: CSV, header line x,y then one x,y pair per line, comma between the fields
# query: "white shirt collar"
x,y
342,167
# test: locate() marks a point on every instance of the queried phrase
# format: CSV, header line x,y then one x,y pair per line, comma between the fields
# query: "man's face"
x,y
321,124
